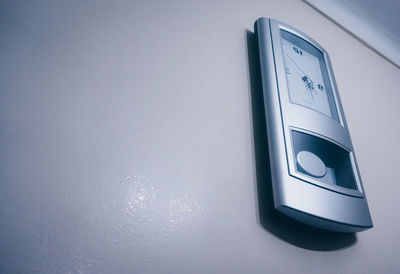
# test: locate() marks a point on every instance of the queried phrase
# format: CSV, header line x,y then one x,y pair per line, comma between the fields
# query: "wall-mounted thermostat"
x,y
315,177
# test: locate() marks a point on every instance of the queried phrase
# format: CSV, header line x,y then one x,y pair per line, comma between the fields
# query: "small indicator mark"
x,y
298,51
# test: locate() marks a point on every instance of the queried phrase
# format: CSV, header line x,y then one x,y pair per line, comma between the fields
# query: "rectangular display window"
x,y
306,75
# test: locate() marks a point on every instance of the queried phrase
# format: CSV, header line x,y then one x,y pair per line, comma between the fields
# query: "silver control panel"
x,y
315,177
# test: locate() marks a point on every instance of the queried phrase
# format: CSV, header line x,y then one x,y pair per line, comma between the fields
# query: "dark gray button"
x,y
311,164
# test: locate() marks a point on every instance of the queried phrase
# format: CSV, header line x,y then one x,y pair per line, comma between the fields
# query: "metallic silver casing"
x,y
305,199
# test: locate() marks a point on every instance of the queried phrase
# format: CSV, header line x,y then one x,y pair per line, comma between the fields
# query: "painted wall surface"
x,y
374,22
128,134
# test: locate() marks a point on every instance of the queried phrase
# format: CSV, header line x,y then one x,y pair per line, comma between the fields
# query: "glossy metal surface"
x,y
327,206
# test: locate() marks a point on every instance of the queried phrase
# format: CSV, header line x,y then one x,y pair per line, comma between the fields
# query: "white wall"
x,y
374,22
126,142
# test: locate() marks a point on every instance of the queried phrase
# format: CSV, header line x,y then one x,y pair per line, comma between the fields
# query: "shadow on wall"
x,y
280,225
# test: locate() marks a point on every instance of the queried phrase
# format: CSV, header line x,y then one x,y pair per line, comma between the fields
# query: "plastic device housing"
x,y
337,201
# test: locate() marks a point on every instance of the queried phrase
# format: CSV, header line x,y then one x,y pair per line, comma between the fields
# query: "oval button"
x,y
311,164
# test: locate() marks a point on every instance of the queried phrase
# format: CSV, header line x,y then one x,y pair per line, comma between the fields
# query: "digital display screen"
x,y
307,76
